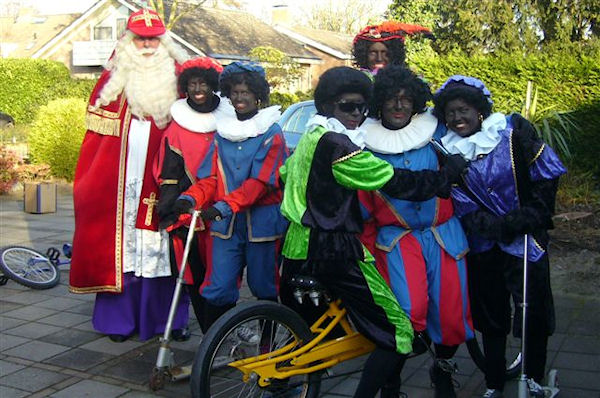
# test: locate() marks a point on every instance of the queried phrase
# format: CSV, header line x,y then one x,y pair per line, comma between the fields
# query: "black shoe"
x,y
181,334
117,338
442,379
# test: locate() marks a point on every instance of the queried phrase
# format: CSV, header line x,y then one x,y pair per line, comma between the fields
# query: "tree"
x,y
170,11
341,16
420,12
487,26
568,20
484,26
281,70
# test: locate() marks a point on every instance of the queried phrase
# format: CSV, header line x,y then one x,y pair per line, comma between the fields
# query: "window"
x,y
121,25
102,33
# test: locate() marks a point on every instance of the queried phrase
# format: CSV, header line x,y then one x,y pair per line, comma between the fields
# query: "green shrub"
x,y
585,145
287,99
28,84
56,135
577,188
283,99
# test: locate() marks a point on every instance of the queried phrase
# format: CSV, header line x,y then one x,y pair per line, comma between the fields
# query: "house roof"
x,y
227,34
336,44
29,33
222,34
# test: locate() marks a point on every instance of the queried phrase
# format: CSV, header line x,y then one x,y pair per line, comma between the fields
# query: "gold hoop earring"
x,y
480,118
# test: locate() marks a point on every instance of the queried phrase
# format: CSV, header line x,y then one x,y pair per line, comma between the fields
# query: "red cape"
x,y
98,196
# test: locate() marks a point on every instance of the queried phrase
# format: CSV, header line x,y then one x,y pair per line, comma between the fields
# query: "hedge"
x,y
564,83
56,135
27,84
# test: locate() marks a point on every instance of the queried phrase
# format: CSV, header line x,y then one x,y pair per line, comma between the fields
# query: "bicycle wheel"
x,y
28,267
247,330
513,356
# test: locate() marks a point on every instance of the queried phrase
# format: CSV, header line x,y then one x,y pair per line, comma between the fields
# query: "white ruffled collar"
x,y
332,124
480,143
198,122
413,136
235,130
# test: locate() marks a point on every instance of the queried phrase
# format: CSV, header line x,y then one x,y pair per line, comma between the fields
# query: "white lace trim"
x,y
332,124
479,143
232,129
198,122
413,136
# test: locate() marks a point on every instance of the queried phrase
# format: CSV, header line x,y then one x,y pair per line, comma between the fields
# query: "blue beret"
x,y
466,81
242,67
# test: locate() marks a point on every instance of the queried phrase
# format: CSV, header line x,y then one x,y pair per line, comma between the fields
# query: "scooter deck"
x,y
180,373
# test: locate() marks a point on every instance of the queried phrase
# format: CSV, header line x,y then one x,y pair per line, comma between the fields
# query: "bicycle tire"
x,y
218,347
513,368
17,264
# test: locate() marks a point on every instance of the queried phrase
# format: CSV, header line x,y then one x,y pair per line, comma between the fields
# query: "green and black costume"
x,y
320,201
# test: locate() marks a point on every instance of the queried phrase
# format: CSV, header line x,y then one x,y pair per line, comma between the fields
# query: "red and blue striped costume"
x,y
420,250
243,179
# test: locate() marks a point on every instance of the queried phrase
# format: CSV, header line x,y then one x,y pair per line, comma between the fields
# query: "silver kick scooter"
x,y
165,367
551,390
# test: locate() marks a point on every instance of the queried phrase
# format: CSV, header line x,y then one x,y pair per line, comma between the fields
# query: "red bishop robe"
x,y
98,195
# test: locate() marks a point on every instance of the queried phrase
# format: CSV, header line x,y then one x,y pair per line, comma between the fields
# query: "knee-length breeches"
x,y
431,287
227,259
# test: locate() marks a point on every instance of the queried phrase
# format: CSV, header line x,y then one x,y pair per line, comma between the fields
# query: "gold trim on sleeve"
x,y
102,125
538,154
346,157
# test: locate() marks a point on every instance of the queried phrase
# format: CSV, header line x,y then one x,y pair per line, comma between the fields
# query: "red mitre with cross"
x,y
146,22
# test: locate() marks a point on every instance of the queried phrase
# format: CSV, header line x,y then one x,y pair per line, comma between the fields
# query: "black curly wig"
x,y
393,78
395,49
210,76
340,80
255,82
471,95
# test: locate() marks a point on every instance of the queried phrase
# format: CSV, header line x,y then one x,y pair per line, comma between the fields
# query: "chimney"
x,y
280,15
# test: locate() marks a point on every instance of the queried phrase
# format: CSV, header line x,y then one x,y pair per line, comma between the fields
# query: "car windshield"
x,y
297,122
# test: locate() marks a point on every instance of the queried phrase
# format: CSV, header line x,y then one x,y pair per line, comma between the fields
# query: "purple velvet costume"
x,y
144,311
492,180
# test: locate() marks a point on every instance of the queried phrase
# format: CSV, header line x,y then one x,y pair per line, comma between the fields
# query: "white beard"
x,y
149,82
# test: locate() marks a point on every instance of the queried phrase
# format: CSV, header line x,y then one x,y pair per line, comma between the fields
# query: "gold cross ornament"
x,y
147,17
150,201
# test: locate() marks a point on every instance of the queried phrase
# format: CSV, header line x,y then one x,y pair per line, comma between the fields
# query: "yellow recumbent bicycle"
x,y
265,349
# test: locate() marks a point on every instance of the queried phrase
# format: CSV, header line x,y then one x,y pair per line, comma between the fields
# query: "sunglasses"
x,y
350,107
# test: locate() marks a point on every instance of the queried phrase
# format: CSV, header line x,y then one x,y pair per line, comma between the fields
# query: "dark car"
x,y
294,119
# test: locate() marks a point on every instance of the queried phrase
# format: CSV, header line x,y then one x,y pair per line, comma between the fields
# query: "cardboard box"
x,y
40,197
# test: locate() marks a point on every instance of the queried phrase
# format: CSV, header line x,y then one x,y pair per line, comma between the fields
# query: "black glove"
x,y
517,222
182,206
167,220
211,214
454,166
